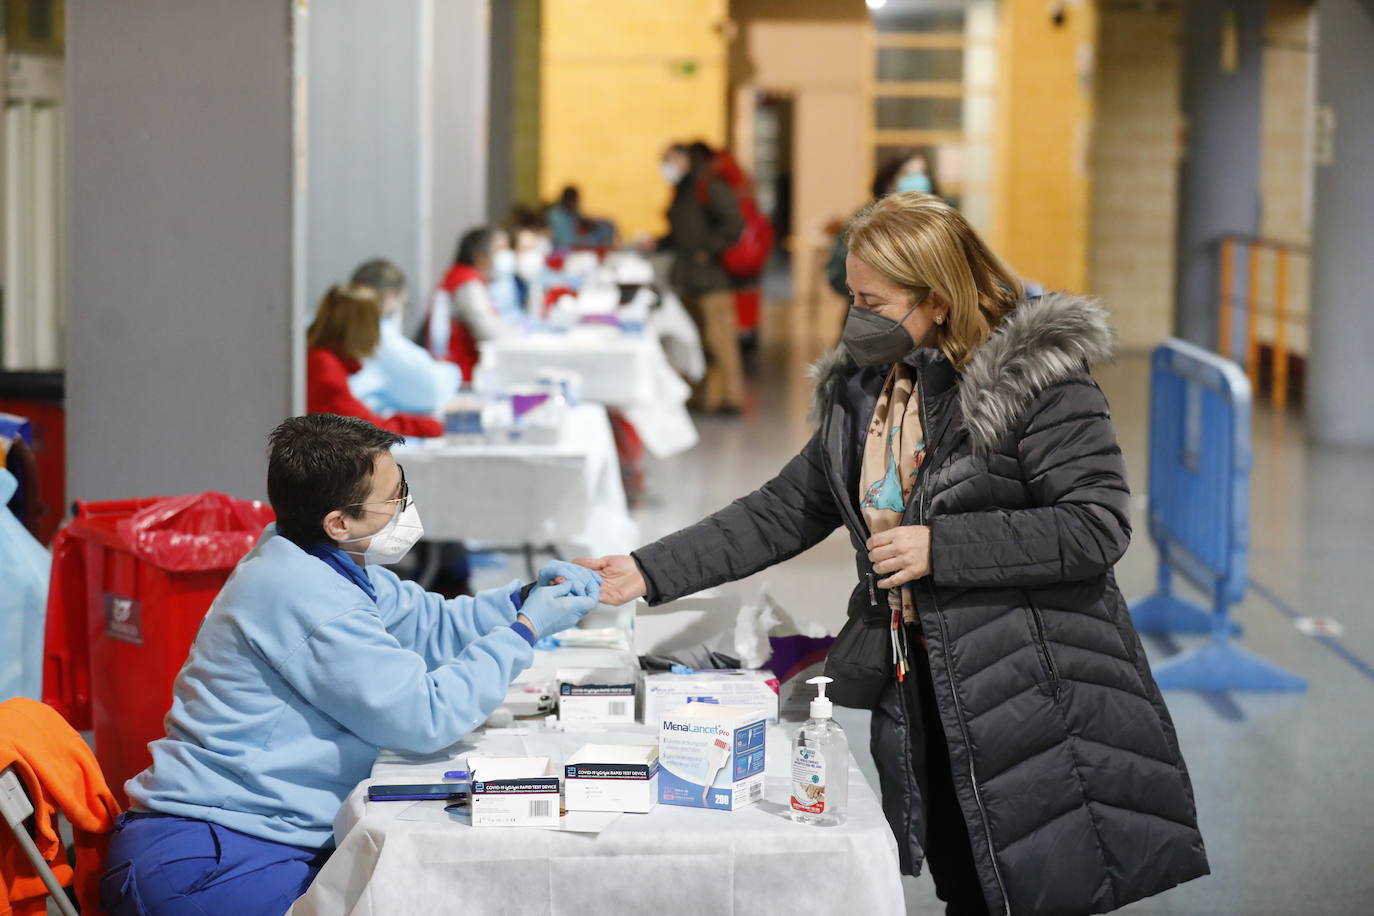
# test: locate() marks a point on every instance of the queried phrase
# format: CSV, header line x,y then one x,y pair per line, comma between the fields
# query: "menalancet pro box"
x,y
711,756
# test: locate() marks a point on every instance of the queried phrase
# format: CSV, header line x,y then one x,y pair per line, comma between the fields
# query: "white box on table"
x,y
514,792
664,690
612,777
597,695
711,756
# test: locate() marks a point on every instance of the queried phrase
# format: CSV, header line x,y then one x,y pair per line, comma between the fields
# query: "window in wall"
x,y
897,64
897,113
33,315
933,95
900,19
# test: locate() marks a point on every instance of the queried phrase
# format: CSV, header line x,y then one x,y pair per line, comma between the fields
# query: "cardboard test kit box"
x,y
711,756
664,690
597,695
514,792
612,777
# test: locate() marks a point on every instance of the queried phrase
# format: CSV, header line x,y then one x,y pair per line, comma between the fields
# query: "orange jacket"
x,y
59,773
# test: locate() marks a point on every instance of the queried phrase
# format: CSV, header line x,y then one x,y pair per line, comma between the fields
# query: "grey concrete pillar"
x,y
397,162
501,123
182,349
1341,358
1219,179
458,164
367,179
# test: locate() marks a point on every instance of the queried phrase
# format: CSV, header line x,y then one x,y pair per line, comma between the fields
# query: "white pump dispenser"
x,y
821,707
820,765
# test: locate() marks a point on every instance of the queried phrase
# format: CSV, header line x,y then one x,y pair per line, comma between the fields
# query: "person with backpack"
x,y
705,221
746,259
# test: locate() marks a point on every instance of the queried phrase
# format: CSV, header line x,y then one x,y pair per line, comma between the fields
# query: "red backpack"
x,y
745,259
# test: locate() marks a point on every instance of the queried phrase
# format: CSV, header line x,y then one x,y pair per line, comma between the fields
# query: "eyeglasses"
x,y
403,499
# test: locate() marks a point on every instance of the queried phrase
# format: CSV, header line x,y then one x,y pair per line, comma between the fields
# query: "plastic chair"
x,y
17,809
49,771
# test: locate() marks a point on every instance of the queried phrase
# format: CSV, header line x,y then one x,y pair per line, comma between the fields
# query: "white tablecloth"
x,y
679,335
569,494
668,318
397,857
626,371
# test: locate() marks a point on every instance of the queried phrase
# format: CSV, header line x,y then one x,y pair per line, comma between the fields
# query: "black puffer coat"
x,y
704,220
1063,754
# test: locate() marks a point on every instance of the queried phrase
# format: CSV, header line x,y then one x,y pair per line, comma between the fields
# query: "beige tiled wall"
x,y
1134,169
1285,158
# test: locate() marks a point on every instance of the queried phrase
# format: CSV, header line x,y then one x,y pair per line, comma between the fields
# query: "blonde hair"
x,y
347,322
919,242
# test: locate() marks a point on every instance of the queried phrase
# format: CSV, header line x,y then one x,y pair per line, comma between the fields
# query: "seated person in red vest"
x,y
462,313
347,330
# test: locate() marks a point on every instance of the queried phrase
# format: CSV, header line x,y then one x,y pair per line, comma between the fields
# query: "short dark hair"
x,y
319,463
474,242
381,275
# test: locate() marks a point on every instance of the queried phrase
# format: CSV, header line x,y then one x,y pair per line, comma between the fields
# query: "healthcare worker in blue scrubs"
x,y
400,376
311,658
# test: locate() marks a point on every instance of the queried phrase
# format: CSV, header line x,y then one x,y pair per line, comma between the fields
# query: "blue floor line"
x,y
1331,643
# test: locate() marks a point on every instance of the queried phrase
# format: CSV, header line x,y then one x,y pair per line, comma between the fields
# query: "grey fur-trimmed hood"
x,y
1042,342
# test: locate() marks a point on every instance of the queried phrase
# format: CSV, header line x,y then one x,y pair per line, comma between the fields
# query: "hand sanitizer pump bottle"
x,y
820,765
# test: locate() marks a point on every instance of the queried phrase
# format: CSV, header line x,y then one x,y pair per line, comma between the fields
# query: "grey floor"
x,y
1283,782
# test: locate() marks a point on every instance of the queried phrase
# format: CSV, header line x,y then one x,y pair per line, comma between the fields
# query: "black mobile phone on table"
x,y
441,790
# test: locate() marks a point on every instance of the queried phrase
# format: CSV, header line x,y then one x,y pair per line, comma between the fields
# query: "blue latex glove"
x,y
554,608
585,582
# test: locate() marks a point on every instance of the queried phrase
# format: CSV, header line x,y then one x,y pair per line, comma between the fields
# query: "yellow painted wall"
x,y
1286,158
619,81
1041,222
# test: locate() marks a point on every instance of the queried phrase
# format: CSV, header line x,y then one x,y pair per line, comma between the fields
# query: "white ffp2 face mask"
x,y
394,540
529,264
503,262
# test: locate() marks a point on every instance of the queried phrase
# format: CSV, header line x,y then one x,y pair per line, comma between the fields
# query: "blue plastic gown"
x,y
24,565
401,377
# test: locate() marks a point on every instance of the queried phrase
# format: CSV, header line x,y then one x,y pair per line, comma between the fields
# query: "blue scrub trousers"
x,y
159,864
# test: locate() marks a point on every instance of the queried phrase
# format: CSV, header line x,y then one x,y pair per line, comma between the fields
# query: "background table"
x,y
400,857
626,371
679,336
568,495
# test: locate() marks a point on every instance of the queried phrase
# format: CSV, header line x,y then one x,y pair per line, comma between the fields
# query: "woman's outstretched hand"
x,y
902,554
621,580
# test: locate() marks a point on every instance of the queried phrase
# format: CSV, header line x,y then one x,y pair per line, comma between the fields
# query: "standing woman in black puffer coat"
x,y
1023,747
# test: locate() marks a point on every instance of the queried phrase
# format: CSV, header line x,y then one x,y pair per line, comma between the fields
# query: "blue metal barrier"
x,y
1199,505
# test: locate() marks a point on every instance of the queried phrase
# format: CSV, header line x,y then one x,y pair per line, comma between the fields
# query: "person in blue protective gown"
x,y
311,658
400,376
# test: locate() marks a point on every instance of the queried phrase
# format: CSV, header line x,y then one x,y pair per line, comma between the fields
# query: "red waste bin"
x,y
149,569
